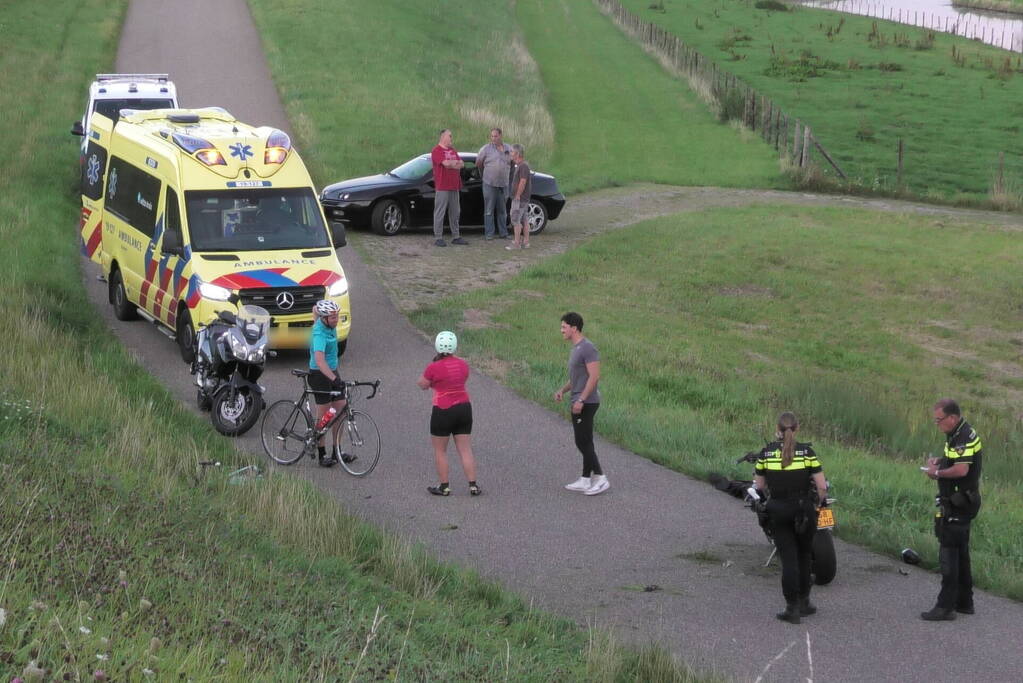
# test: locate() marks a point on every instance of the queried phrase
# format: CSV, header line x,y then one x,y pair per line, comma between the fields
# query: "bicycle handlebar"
x,y
375,385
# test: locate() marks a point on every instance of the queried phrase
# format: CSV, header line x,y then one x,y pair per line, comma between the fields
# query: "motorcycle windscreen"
x,y
253,321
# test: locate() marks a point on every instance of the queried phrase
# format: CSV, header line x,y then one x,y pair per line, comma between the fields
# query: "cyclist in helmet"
x,y
323,375
452,412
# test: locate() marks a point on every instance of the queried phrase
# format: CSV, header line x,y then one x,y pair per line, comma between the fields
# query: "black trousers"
x,y
795,548
954,559
582,426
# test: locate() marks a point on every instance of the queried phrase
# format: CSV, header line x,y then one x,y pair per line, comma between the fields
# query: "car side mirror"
x,y
172,243
76,129
337,234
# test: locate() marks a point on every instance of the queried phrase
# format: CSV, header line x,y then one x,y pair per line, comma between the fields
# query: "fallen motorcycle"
x,y
824,562
230,356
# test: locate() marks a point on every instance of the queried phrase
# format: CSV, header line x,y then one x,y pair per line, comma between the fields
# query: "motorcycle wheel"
x,y
234,413
825,564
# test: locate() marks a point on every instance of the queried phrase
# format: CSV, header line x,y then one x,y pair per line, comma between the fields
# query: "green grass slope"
x,y
620,118
121,558
857,321
604,113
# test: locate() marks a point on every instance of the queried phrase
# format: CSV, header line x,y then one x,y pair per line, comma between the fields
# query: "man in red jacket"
x,y
447,179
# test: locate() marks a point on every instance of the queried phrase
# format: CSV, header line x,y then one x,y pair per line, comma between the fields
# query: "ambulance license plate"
x,y
825,518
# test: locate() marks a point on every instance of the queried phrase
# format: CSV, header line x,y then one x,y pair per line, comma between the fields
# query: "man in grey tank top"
x,y
583,377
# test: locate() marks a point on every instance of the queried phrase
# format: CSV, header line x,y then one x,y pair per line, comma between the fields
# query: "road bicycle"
x,y
288,431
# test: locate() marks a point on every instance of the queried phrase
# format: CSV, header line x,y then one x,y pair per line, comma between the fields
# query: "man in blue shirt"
x,y
323,375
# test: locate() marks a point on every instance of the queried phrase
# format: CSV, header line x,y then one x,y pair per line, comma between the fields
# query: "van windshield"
x,y
255,219
112,108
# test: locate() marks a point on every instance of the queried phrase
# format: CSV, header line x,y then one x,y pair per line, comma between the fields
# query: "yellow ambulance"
x,y
190,211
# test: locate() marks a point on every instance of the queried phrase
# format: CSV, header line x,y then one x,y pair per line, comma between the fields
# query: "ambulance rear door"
x,y
93,182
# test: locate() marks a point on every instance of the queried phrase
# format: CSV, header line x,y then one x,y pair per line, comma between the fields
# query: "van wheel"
x,y
123,309
186,336
388,218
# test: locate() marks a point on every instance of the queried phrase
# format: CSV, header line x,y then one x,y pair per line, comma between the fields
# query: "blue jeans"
x,y
494,203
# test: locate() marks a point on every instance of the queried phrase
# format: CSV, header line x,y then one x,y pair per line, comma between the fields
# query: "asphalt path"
x,y
587,558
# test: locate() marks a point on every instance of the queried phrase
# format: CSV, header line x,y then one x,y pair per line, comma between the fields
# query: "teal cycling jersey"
x,y
325,340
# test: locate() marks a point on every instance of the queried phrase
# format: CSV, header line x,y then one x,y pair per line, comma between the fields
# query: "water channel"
x,y
994,28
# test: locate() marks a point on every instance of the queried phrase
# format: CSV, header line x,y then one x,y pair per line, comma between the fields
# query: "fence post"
x,y
898,176
805,158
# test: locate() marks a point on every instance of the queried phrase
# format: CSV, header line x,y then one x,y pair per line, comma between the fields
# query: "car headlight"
x,y
344,197
338,288
215,292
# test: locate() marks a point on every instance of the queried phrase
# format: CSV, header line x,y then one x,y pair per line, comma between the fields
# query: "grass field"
x,y
862,84
120,557
857,321
604,114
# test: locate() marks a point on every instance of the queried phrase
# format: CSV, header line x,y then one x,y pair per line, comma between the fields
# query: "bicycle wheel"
x,y
284,431
359,437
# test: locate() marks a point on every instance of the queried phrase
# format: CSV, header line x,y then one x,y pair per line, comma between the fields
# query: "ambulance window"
x,y
132,195
93,169
171,215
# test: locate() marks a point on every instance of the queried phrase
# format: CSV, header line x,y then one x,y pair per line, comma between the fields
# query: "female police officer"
x,y
786,469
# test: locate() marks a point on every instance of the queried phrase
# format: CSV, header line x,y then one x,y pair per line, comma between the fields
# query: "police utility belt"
x,y
959,503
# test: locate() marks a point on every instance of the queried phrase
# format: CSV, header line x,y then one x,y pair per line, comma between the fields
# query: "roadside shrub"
x,y
657,6
772,5
807,65
731,104
924,42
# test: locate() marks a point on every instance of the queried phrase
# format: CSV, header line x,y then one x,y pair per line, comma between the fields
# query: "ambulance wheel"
x,y
185,334
341,346
123,309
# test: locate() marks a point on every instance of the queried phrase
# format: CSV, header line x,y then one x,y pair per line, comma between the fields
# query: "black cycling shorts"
x,y
454,420
318,382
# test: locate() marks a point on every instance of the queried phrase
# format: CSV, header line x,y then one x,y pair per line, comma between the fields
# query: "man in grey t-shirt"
x,y
494,163
583,377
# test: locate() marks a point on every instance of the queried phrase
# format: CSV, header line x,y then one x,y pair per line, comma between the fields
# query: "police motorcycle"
x,y
824,563
230,355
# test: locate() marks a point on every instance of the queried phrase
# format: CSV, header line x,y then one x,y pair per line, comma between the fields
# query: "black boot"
x,y
806,608
791,613
939,614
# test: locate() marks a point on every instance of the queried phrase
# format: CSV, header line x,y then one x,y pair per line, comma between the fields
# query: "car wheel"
x,y
536,215
185,334
388,218
123,309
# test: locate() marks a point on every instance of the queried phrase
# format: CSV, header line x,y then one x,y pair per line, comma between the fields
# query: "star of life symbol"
x,y
92,170
112,189
241,151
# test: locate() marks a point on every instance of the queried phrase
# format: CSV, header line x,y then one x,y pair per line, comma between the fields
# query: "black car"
x,y
403,198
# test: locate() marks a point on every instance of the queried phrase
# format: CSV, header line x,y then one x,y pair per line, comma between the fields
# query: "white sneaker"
x,y
581,484
598,484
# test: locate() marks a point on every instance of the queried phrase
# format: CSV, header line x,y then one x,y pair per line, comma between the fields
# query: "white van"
x,y
110,93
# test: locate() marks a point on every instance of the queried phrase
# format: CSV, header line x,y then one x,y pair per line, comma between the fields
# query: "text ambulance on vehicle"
x,y
190,211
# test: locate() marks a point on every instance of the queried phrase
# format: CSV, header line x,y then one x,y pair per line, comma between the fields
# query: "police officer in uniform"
x,y
958,476
792,476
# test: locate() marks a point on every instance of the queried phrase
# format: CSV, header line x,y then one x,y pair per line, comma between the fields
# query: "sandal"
x,y
474,490
442,490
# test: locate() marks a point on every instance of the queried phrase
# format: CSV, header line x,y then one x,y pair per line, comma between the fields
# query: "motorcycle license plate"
x,y
825,518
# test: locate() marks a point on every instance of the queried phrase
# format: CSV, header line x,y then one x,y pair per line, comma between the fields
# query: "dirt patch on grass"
x,y
747,292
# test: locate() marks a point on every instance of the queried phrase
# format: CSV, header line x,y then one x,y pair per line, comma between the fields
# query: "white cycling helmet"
x,y
325,307
446,342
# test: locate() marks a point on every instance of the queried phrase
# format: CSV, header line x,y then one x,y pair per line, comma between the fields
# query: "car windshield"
x,y
112,108
255,219
415,168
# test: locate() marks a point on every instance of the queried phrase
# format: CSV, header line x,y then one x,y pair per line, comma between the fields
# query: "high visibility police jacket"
x,y
792,481
961,445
